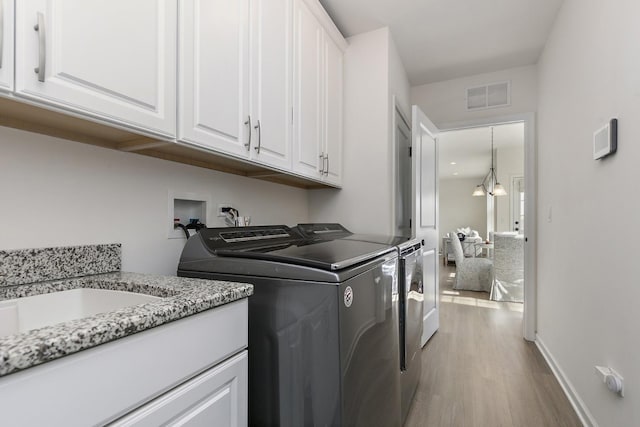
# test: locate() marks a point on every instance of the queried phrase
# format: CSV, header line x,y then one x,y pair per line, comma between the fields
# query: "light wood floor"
x,y
477,370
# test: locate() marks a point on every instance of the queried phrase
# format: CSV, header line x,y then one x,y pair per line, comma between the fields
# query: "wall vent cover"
x,y
491,95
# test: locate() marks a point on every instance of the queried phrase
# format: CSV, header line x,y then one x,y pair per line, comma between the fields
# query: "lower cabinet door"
x,y
217,397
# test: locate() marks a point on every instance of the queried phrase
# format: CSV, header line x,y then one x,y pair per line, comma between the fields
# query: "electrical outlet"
x,y
613,380
221,214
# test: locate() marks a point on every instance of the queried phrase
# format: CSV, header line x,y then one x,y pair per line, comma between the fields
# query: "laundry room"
x,y
231,213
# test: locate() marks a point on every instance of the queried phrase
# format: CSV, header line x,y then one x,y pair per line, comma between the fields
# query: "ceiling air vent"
x,y
489,96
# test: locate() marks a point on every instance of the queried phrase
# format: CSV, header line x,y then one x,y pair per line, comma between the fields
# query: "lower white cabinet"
x,y
217,397
194,368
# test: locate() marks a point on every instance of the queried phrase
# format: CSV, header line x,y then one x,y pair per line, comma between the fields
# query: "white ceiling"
x,y
470,149
445,39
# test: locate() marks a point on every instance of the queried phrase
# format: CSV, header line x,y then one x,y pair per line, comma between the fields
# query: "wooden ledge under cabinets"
x,y
19,114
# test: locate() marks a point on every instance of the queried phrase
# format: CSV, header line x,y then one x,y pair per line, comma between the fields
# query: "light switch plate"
x,y
605,140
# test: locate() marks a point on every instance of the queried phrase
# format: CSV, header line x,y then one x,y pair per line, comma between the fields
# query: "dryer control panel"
x,y
237,238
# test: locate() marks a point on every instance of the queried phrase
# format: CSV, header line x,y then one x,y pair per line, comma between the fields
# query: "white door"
x,y
271,81
111,59
425,212
6,45
332,134
307,157
214,75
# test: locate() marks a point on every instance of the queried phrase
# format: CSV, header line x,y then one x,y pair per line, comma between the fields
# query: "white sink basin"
x,y
27,313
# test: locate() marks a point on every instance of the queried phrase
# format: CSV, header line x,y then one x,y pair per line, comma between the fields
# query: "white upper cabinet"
x,y
235,78
214,75
318,80
272,81
255,80
111,59
6,45
333,111
308,93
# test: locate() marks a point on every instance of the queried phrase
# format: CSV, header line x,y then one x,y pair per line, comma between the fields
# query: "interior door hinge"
x,y
410,151
409,222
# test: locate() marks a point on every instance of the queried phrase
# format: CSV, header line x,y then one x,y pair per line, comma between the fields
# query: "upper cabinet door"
x,y
214,75
272,81
112,59
333,113
6,45
308,102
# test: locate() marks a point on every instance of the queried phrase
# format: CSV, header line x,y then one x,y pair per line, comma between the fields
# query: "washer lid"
x,y
326,255
333,231
380,238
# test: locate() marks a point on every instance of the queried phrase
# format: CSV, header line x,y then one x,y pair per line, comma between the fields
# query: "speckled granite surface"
x,y
21,266
181,297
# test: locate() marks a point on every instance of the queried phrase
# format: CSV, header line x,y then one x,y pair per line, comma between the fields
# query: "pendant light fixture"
x,y
490,184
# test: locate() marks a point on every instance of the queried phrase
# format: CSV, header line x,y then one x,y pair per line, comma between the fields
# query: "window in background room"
x,y
517,203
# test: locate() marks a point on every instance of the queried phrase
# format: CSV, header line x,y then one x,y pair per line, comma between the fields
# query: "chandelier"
x,y
490,184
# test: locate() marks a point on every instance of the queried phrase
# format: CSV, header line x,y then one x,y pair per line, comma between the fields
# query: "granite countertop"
x,y
182,297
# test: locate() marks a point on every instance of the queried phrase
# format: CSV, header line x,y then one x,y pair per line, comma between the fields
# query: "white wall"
x,y
510,163
588,290
445,102
398,81
55,193
400,91
458,208
373,73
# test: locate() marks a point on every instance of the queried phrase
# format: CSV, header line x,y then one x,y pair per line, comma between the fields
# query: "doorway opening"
x,y
482,199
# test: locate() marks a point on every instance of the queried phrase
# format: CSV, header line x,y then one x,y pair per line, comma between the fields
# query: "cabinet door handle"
x,y
42,47
321,163
257,127
1,32
326,170
248,143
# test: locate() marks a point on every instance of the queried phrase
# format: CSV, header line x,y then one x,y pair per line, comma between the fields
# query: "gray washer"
x,y
313,360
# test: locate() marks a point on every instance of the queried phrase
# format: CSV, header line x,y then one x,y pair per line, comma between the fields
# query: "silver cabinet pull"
x,y
42,47
248,143
1,32
257,127
321,163
326,170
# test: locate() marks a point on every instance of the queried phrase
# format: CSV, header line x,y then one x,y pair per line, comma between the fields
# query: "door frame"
x,y
529,318
397,108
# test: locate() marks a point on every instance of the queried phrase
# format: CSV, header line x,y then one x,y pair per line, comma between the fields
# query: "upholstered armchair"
x,y
508,264
468,246
472,274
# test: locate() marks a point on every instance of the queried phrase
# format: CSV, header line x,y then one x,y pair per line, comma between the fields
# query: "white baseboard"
x,y
578,405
